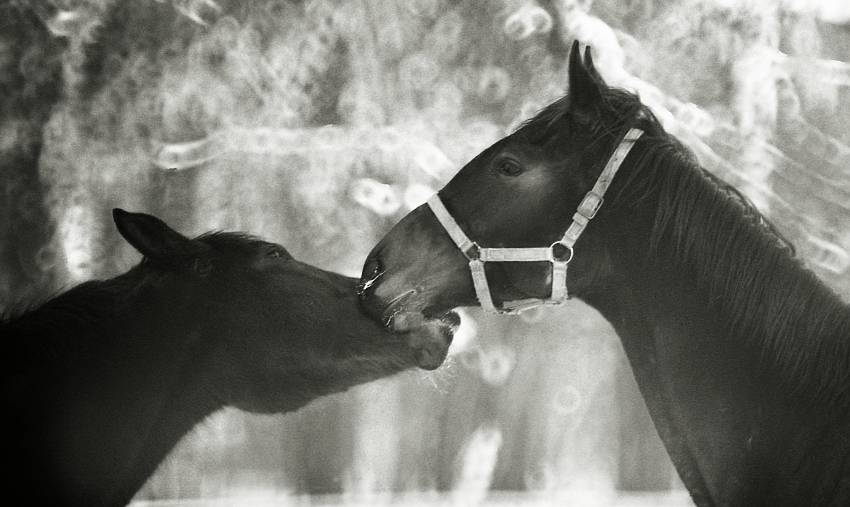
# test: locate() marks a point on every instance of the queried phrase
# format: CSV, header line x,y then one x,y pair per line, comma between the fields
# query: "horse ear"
x,y
591,69
585,83
152,237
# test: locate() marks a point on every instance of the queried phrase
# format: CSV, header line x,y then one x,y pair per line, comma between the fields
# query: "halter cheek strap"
x,y
559,254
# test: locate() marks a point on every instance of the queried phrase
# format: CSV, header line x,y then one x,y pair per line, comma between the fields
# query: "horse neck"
x,y
727,396
96,362
175,416
126,323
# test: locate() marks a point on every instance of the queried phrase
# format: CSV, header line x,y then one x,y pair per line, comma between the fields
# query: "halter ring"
x,y
556,258
473,253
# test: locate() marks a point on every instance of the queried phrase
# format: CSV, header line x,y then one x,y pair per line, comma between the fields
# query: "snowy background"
x,y
318,124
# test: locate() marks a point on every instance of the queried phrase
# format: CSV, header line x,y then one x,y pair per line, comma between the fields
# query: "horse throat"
x,y
174,413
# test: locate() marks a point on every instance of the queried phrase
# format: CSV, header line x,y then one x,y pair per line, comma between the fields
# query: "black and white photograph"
x,y
414,253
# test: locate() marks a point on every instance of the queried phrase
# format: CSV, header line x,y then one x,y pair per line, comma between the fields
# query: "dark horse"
x,y
741,353
100,382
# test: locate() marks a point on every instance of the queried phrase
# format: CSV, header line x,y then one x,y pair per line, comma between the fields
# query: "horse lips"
x,y
427,334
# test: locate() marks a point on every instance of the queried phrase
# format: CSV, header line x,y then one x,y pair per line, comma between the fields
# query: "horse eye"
x,y
510,167
274,253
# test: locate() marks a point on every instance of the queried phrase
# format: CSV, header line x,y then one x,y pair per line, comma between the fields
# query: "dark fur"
x,y
740,352
738,258
774,315
101,381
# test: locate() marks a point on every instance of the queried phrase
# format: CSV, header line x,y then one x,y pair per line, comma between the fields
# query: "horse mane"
x,y
792,323
795,324
229,242
38,332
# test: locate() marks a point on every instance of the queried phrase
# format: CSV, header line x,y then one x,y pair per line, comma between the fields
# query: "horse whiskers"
x,y
364,286
387,320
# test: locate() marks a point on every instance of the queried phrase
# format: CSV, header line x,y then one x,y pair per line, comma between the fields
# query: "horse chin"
x,y
430,336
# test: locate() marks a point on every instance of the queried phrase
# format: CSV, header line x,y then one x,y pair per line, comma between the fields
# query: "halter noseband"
x,y
477,255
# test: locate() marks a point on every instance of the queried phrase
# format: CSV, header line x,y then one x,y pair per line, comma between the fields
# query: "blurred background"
x,y
320,123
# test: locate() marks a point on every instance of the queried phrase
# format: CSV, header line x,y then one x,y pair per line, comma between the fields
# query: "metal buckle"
x,y
520,305
591,201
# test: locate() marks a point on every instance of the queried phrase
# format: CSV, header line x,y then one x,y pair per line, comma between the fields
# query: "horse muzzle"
x,y
401,311
415,268
430,337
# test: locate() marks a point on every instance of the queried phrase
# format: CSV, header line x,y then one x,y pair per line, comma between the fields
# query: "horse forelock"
x,y
616,109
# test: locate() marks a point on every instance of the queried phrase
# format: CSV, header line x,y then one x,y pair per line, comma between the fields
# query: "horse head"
x,y
715,313
520,193
278,332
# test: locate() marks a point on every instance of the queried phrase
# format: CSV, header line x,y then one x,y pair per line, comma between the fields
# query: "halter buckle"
x,y
590,205
521,305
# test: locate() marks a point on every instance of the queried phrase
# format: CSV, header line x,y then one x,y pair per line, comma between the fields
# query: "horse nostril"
x,y
372,270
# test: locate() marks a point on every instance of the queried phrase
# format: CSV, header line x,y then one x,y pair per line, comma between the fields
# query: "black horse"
x,y
740,352
100,382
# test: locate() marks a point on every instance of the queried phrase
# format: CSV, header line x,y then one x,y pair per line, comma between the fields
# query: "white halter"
x,y
478,256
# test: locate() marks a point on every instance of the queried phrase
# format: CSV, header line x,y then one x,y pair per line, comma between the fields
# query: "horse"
x,y
740,352
101,381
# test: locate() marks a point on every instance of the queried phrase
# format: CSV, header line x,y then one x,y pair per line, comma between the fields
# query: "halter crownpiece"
x,y
559,258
